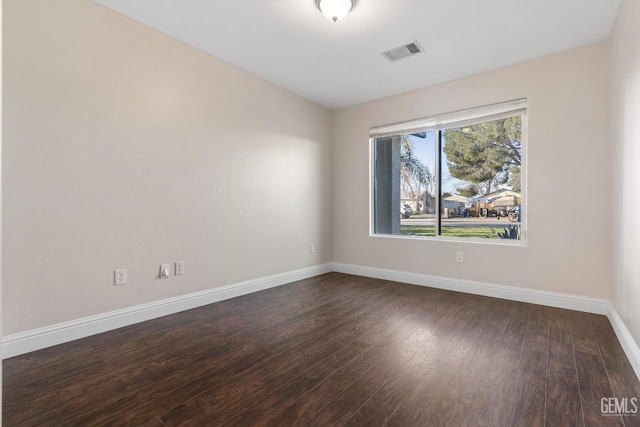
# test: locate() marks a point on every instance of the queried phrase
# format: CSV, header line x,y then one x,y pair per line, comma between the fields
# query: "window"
x,y
453,176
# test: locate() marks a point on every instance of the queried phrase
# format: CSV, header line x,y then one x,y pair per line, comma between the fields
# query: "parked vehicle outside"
x,y
405,210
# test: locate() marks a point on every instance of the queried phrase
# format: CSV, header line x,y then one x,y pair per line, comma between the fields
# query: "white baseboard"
x,y
551,299
36,339
629,345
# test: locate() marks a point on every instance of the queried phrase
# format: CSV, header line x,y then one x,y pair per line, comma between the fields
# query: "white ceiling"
x,y
290,43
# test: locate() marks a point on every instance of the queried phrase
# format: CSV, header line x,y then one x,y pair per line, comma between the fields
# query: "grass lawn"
x,y
454,231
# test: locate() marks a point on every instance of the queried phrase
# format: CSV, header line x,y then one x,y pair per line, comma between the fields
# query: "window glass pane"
x,y
481,185
405,184
418,184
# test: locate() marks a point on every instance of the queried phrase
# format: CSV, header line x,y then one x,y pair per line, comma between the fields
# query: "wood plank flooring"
x,y
333,350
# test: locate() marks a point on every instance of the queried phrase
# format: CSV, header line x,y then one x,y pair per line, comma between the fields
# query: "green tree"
x,y
485,155
514,179
469,191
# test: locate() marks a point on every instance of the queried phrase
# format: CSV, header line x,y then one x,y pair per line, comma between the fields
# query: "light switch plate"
x,y
165,271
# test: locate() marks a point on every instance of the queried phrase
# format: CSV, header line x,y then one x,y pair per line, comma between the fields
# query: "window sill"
x,y
449,239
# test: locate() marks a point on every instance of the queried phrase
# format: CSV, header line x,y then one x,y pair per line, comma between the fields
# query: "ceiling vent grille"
x,y
403,51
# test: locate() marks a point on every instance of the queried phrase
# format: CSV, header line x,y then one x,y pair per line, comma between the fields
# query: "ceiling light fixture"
x,y
335,9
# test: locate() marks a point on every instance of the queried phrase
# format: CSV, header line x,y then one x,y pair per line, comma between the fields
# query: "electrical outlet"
x,y
459,257
179,268
165,270
120,277
313,248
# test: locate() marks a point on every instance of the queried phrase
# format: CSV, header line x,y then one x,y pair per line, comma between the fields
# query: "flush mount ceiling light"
x,y
335,9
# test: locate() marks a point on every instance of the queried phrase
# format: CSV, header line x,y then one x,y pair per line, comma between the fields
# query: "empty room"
x,y
320,212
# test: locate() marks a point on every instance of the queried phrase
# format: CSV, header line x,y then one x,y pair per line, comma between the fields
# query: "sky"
x,y
425,150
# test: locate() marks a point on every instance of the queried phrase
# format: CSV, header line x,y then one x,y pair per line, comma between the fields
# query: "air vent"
x,y
403,51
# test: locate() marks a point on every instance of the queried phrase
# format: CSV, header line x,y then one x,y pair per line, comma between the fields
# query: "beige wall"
x,y
569,240
625,127
124,148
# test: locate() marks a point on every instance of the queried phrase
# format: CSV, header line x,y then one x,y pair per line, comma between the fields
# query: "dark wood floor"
x,y
329,351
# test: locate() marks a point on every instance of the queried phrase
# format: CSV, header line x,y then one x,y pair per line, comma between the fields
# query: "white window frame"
x,y
442,122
